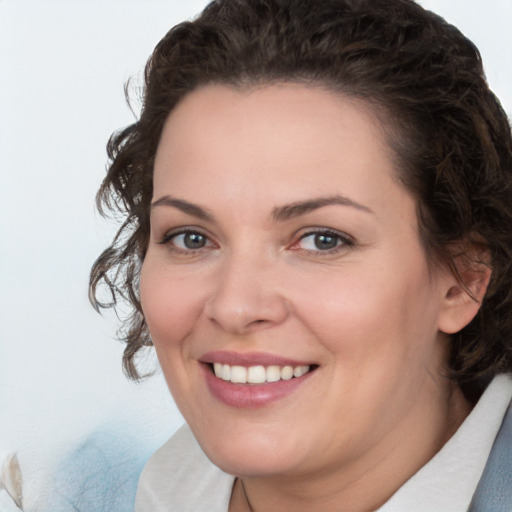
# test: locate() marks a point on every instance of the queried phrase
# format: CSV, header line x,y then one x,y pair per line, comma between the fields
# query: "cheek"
x,y
378,312
170,303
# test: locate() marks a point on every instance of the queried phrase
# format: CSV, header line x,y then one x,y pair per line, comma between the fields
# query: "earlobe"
x,y
465,289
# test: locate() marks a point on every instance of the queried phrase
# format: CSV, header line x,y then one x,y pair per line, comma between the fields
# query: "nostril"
x,y
256,323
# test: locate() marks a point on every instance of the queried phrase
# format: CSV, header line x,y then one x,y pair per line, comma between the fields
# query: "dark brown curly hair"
x,y
423,78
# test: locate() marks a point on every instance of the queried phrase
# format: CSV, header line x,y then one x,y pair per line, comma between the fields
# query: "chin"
x,y
247,466
251,455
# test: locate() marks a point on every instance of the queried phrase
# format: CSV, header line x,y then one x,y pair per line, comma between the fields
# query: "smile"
x,y
253,380
258,374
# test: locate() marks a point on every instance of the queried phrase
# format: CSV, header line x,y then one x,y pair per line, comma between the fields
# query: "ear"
x,y
464,287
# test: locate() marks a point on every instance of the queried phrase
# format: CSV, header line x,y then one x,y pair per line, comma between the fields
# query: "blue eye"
x,y
187,240
323,241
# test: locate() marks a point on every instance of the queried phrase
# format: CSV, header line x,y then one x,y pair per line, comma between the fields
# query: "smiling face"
x,y
281,237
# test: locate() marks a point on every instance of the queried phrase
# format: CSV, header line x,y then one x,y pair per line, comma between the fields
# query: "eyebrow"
x,y
279,213
185,207
293,210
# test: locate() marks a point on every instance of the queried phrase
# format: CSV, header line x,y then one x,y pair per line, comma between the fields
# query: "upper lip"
x,y
249,359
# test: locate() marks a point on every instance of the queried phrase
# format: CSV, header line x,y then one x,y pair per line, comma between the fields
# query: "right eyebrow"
x,y
293,210
184,206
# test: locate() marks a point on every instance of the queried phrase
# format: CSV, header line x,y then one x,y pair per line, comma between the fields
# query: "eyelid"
x,y
347,241
168,236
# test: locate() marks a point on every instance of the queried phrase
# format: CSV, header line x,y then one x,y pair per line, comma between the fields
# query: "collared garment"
x,y
180,478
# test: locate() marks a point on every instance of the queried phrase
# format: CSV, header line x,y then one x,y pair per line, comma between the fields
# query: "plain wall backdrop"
x,y
63,67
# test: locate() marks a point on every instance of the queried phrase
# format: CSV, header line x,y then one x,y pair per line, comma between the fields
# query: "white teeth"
x,y
226,372
258,374
239,374
299,371
287,373
273,373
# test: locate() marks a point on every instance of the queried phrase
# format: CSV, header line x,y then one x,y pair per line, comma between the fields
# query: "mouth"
x,y
259,374
253,380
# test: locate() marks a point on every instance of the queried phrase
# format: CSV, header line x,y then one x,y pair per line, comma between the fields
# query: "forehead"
x,y
278,143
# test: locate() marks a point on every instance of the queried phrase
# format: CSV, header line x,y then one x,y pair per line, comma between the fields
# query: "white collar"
x,y
180,477
447,482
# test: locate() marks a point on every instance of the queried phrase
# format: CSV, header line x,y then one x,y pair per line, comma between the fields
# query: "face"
x,y
283,244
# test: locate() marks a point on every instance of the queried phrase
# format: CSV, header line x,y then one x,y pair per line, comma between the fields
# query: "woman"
x,y
317,243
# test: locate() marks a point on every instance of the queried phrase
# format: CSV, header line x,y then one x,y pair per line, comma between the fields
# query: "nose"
x,y
246,296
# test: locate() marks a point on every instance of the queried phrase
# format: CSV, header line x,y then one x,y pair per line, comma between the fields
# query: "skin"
x,y
371,312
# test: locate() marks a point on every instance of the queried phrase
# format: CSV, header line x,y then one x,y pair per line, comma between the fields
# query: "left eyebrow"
x,y
185,207
296,209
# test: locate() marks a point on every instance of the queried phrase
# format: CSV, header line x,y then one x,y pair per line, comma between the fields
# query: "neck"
x,y
364,484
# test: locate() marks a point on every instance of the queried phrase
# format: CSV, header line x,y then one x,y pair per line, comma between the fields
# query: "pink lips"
x,y
249,359
250,396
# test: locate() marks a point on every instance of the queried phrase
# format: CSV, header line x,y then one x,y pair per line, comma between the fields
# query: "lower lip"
x,y
250,396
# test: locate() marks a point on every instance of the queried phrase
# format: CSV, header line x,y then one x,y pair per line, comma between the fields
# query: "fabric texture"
x,y
494,491
180,478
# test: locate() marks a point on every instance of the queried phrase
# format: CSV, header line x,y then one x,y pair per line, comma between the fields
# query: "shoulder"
x,y
494,490
179,477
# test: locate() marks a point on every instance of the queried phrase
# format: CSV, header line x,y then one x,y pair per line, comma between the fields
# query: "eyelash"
x,y
168,238
343,241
